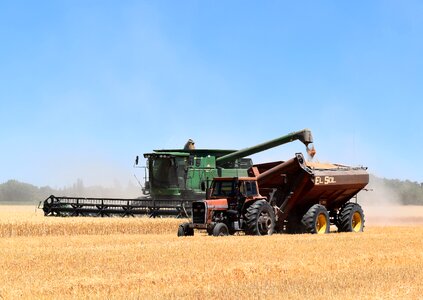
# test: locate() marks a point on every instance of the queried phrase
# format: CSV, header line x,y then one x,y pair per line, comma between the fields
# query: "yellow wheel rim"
x,y
321,223
356,222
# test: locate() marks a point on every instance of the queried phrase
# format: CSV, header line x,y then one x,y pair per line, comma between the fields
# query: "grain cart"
x,y
292,196
174,179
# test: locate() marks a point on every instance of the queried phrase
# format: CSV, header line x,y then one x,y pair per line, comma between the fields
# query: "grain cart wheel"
x,y
260,218
184,230
351,218
316,219
220,229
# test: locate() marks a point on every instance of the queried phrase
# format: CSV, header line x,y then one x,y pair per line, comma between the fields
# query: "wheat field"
x,y
140,258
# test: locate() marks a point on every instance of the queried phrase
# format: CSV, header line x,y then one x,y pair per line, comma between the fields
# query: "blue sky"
x,y
87,85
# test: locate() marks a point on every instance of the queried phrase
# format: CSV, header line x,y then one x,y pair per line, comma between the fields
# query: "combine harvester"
x,y
174,179
293,197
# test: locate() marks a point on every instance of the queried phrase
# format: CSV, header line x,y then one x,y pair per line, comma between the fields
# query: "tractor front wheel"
x,y
184,230
220,229
210,228
260,218
316,220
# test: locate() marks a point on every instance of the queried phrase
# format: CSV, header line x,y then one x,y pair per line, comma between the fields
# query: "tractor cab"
x,y
233,187
236,190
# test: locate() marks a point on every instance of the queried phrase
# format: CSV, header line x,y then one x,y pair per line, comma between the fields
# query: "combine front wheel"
x,y
260,218
316,219
351,218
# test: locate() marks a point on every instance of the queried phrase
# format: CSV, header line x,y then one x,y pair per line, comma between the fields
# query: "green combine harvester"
x,y
174,179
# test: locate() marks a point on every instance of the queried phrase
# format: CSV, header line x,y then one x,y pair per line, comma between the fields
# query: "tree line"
x,y
406,192
15,192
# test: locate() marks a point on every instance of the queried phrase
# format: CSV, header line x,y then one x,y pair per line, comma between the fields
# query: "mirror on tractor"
x,y
137,160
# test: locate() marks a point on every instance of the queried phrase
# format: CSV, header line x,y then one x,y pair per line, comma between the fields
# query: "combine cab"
x,y
291,196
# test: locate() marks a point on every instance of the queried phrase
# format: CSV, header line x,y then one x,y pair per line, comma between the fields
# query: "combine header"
x,y
107,207
174,179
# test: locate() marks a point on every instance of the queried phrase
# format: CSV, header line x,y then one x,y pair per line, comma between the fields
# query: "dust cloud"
x,y
382,206
93,176
79,189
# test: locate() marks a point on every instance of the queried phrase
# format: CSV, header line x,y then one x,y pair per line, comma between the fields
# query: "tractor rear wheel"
x,y
260,218
220,229
351,218
184,230
316,220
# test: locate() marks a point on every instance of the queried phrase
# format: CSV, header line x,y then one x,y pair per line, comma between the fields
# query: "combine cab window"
x,y
163,172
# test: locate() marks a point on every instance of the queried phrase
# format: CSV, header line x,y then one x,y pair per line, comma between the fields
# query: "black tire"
x,y
184,230
181,231
210,228
351,218
220,229
260,218
316,220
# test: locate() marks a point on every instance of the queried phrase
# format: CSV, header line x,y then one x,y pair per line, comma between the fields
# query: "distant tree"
x,y
15,192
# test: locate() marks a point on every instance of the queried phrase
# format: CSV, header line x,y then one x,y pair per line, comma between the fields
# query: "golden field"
x,y
140,258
